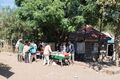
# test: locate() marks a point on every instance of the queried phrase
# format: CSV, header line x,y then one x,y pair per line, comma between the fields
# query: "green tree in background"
x,y
57,17
110,11
51,20
12,28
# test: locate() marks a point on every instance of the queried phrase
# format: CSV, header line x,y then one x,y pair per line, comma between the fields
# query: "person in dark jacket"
x,y
71,51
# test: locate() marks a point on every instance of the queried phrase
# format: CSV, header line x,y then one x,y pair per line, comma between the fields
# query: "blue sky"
x,y
6,3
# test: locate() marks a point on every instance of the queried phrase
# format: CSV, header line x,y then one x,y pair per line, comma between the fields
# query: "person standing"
x,y
33,50
72,51
46,53
63,48
20,50
17,44
26,52
40,50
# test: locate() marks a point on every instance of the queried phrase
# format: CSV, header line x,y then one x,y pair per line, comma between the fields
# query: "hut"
x,y
88,42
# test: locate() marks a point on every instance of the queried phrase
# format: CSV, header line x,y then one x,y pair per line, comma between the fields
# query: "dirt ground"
x,y
10,68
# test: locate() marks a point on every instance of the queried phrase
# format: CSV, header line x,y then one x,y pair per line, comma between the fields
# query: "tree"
x,y
57,17
12,28
109,9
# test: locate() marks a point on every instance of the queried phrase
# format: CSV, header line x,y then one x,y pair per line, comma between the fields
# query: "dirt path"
x,y
16,70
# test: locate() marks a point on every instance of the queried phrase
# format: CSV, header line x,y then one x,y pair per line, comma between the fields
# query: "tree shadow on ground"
x,y
93,63
97,66
5,70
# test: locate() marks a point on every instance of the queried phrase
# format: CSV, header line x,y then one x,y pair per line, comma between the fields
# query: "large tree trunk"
x,y
117,35
117,51
117,43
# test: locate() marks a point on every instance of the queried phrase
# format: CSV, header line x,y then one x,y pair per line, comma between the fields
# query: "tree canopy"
x,y
56,17
51,20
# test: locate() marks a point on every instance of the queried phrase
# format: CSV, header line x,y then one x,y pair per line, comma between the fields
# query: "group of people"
x,y
67,47
27,50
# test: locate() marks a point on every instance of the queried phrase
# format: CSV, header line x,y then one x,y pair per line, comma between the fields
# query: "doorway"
x,y
110,50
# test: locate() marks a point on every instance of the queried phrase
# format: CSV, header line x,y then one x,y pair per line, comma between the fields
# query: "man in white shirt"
x,y
17,44
46,53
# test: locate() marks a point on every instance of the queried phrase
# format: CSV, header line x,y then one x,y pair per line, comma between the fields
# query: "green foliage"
x,y
50,20
19,2
12,28
109,13
58,15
